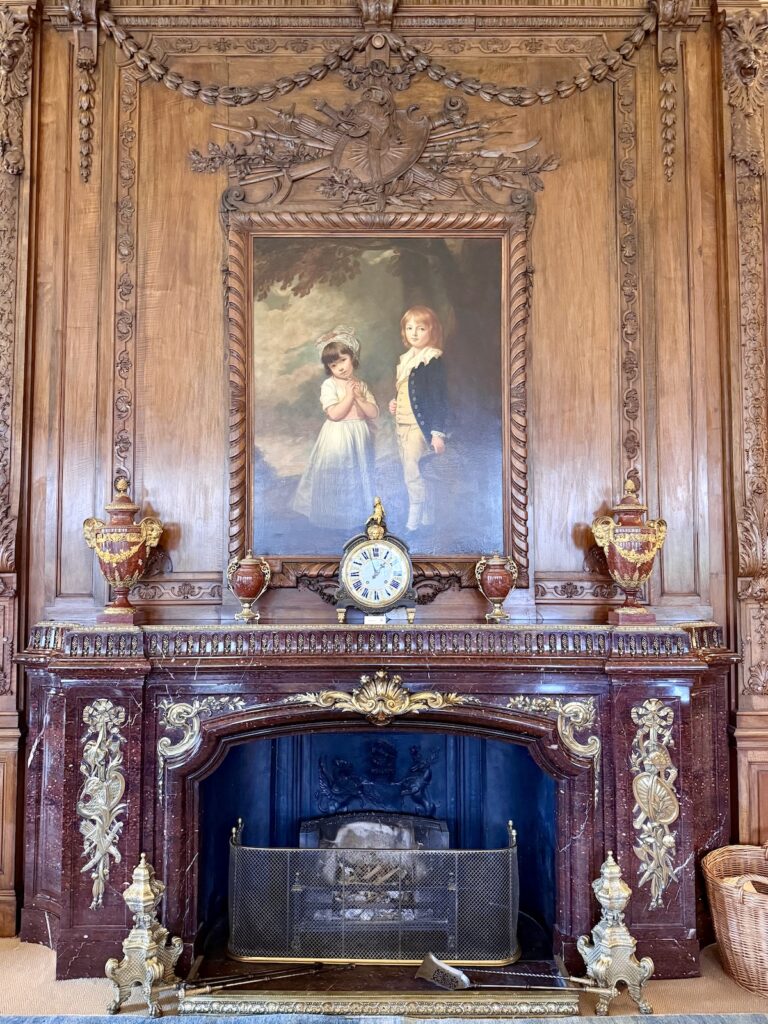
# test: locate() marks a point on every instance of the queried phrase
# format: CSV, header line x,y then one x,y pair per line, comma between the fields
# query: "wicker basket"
x,y
741,915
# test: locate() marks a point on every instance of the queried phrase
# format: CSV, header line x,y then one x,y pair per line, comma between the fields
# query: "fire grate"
x,y
373,905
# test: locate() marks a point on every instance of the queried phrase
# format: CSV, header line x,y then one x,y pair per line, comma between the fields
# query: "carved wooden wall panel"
x,y
180,346
157,334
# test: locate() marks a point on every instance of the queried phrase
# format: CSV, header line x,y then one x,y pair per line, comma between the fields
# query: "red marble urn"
x,y
122,548
630,547
248,578
496,577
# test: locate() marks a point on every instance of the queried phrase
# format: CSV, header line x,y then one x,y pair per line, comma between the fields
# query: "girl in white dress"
x,y
336,489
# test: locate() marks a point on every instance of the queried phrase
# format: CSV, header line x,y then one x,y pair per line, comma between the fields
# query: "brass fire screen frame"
x,y
372,905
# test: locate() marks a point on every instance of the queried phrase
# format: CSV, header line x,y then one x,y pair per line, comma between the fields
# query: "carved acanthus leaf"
x,y
753,545
757,681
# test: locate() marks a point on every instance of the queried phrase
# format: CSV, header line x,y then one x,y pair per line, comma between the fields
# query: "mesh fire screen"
x,y
376,905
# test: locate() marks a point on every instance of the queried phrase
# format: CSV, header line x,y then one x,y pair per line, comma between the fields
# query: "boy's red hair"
x,y
428,315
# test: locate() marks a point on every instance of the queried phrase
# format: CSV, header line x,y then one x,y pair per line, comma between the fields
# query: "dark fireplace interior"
x,y
474,784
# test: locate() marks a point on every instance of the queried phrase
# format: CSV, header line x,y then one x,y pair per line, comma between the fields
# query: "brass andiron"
x,y
496,577
610,955
630,546
248,578
122,547
148,959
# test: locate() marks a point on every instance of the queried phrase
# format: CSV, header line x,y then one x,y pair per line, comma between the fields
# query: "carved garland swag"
x,y
340,60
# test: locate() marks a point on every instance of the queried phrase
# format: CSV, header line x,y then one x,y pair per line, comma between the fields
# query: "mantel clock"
x,y
375,573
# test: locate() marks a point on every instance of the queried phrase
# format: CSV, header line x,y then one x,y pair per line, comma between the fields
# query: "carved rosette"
x,y
187,717
100,803
381,698
656,804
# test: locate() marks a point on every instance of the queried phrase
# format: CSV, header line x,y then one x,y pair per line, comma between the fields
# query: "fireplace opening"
x,y
446,797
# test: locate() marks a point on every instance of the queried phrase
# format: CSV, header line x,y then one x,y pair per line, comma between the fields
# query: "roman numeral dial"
x,y
376,573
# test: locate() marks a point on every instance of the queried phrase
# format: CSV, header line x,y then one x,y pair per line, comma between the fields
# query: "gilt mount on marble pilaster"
x,y
101,804
656,804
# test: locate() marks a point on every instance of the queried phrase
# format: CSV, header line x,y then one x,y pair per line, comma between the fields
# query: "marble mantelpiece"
x,y
125,722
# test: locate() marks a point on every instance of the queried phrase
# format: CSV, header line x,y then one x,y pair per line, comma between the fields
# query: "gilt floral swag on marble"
x,y
100,804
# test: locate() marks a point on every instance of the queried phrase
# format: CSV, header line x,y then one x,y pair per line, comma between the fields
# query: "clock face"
x,y
376,573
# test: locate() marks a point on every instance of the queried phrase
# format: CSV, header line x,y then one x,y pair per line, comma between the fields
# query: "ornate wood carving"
x,y
125,285
745,69
15,64
178,590
632,404
82,15
15,61
745,73
9,214
101,805
415,61
656,803
672,16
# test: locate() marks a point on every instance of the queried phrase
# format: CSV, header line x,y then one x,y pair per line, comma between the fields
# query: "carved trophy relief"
x,y
374,154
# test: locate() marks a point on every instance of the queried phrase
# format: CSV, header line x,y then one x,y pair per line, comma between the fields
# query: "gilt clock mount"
x,y
375,573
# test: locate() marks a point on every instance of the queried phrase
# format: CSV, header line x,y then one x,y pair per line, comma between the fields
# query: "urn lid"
x,y
630,509
122,501
495,559
249,559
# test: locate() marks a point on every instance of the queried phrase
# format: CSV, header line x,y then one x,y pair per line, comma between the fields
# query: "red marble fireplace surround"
x,y
124,724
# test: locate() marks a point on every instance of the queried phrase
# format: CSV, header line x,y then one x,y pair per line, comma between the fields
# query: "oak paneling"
x,y
575,333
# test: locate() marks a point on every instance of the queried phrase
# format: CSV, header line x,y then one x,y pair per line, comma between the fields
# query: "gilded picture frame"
x,y
506,233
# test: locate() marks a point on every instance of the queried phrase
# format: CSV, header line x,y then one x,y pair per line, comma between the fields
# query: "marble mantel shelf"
x,y
54,642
